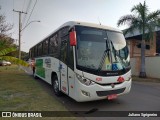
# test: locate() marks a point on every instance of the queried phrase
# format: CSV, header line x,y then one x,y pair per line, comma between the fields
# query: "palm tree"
x,y
145,22
5,51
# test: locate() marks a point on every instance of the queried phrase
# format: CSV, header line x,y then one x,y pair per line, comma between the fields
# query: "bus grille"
x,y
105,93
109,84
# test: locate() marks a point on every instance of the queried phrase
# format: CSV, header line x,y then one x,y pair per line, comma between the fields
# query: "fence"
x,y
152,66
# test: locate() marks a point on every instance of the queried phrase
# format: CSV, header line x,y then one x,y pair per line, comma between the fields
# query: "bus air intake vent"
x,y
109,84
105,93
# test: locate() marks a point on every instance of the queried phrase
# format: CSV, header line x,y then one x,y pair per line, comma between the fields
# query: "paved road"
x,y
144,96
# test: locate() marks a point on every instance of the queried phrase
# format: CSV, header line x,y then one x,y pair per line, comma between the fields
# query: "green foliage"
x,y
143,21
7,50
4,56
7,46
14,60
24,55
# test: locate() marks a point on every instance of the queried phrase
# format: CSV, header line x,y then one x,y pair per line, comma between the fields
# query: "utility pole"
x,y
20,29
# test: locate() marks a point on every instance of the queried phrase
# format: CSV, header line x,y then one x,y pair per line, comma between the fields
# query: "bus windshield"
x,y
101,49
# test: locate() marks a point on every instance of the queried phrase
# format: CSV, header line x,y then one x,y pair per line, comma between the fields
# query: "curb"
x,y
137,79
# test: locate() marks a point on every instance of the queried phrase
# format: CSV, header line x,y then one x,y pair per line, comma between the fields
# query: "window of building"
x,y
158,43
147,46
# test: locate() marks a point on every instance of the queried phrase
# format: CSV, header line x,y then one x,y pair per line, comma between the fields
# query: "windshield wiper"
x,y
103,59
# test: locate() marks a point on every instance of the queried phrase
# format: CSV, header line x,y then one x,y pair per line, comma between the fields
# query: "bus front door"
x,y
64,81
63,66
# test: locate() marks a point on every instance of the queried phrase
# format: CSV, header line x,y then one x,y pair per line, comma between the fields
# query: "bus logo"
x,y
112,85
98,79
48,62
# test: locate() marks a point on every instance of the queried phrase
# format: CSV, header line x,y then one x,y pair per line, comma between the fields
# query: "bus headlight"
x,y
129,78
84,81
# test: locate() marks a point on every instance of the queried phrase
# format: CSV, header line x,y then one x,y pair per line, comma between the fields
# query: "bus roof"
x,y
73,23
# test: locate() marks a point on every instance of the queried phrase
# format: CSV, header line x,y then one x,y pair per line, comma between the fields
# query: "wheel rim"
x,y
56,87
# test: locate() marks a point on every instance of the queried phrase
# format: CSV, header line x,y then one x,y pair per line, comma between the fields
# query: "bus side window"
x,y
53,47
39,49
45,47
70,57
63,56
67,52
35,51
32,53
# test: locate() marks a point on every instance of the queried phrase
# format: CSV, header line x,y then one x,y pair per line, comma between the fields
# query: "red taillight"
x,y
120,79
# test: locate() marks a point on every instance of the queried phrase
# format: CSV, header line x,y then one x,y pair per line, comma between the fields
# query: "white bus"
x,y
84,61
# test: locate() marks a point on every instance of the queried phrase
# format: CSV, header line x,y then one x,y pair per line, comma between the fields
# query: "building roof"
x,y
137,32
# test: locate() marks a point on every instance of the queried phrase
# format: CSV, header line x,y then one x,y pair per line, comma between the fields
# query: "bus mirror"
x,y
73,40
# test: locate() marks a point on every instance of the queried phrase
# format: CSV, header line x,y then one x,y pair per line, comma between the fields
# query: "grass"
x,y
20,92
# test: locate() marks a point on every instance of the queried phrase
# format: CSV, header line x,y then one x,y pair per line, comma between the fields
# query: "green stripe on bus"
x,y
39,68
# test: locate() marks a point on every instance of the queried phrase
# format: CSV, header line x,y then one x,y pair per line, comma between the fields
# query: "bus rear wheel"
x,y
55,85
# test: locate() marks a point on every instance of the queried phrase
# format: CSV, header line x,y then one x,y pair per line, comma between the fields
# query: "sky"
x,y
53,13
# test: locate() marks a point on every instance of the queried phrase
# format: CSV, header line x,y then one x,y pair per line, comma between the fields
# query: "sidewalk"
x,y
28,70
135,78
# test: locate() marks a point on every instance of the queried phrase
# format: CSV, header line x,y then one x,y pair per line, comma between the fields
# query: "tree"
x,y
24,55
6,42
145,22
4,27
4,56
7,45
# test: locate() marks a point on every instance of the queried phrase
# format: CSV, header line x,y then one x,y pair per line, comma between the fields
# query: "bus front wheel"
x,y
55,84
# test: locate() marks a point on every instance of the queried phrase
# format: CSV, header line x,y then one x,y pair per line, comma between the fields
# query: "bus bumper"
x,y
98,92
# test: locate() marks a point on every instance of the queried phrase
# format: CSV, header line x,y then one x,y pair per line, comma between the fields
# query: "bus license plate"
x,y
110,97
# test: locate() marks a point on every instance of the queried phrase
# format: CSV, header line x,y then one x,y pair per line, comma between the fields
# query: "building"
x,y
152,53
152,46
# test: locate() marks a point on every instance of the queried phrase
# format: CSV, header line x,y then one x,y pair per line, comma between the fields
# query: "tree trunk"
x,y
142,69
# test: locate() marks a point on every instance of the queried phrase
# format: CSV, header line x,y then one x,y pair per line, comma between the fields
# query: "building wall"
x,y
135,51
152,66
135,66
152,62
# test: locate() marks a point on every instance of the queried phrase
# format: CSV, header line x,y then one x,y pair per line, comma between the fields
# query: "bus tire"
x,y
55,85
